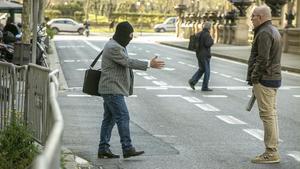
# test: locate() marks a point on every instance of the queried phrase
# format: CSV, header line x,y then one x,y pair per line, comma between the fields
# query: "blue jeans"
x,y
115,111
204,67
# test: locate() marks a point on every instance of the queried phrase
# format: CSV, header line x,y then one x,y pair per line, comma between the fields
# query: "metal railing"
x,y
30,92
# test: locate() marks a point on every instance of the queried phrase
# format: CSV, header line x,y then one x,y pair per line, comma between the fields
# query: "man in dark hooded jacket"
x,y
116,82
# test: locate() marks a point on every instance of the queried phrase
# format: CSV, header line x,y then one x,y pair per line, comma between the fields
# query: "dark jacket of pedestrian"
x,y
205,42
264,61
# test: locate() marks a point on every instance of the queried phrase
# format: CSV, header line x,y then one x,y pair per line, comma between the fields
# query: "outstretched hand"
x,y
156,63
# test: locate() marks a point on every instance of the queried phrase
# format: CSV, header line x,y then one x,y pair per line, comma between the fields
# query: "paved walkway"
x,y
290,62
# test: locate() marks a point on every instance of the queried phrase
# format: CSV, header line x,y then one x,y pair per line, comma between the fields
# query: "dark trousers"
x,y
204,68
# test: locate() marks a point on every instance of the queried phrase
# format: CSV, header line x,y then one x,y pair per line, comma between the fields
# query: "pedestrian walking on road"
x,y
203,43
116,82
264,73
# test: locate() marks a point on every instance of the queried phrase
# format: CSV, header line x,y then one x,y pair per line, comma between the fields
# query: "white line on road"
x,y
295,155
156,88
168,68
192,66
160,83
207,107
132,54
238,88
181,63
214,72
257,133
168,58
92,45
156,54
78,95
133,96
230,119
296,95
240,80
215,96
149,77
168,95
192,99
69,61
141,73
224,75
81,69
148,51
164,136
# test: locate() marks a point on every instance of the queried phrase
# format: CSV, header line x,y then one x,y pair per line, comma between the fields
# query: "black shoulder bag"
x,y
92,78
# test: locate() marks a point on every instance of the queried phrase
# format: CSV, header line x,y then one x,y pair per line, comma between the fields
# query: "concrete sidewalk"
x,y
290,62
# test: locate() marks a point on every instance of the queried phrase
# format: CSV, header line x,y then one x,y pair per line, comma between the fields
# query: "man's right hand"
x,y
156,63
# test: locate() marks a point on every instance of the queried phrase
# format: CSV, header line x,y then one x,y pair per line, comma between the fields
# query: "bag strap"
x,y
96,59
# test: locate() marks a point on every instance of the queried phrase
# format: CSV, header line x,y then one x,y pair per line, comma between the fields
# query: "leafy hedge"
x,y
17,148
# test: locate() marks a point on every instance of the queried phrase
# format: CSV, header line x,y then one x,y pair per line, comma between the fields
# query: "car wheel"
x,y
80,31
162,30
55,31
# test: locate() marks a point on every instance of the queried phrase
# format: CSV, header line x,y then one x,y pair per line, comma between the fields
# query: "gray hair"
x,y
265,11
207,25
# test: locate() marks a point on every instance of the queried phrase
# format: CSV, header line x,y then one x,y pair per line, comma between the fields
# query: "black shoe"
x,y
207,90
132,152
107,154
191,85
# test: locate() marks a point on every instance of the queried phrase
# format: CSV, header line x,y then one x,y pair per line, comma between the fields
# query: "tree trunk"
x,y
26,21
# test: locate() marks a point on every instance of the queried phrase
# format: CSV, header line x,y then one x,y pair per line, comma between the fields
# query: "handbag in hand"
x,y
92,78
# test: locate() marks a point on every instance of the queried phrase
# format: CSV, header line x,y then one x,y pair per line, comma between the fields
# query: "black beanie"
x,y
123,30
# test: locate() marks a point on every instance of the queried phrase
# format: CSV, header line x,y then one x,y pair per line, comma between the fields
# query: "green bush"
x,y
17,148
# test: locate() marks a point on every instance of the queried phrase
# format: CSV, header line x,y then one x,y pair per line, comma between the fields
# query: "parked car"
x,y
65,25
167,26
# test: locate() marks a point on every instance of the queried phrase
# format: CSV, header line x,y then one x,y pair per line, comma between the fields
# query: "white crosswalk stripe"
x,y
207,107
230,119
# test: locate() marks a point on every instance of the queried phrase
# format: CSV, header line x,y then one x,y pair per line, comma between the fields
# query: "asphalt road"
x,y
177,127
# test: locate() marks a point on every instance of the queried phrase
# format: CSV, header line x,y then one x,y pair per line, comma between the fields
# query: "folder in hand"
x,y
251,103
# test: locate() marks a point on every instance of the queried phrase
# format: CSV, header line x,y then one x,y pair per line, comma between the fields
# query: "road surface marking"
x,y
296,95
148,51
215,96
92,45
141,73
192,99
168,68
224,75
168,58
295,155
207,107
149,77
156,54
81,69
168,95
132,54
160,83
238,88
132,96
181,63
156,88
257,133
164,136
192,66
230,119
69,61
214,72
78,95
240,80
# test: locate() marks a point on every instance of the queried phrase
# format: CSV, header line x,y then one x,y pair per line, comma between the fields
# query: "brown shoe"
x,y
132,152
267,158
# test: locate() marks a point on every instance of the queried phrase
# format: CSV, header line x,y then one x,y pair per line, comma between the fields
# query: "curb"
x,y
283,68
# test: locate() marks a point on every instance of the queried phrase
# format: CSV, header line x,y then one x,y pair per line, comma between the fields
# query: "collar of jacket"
x,y
261,25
